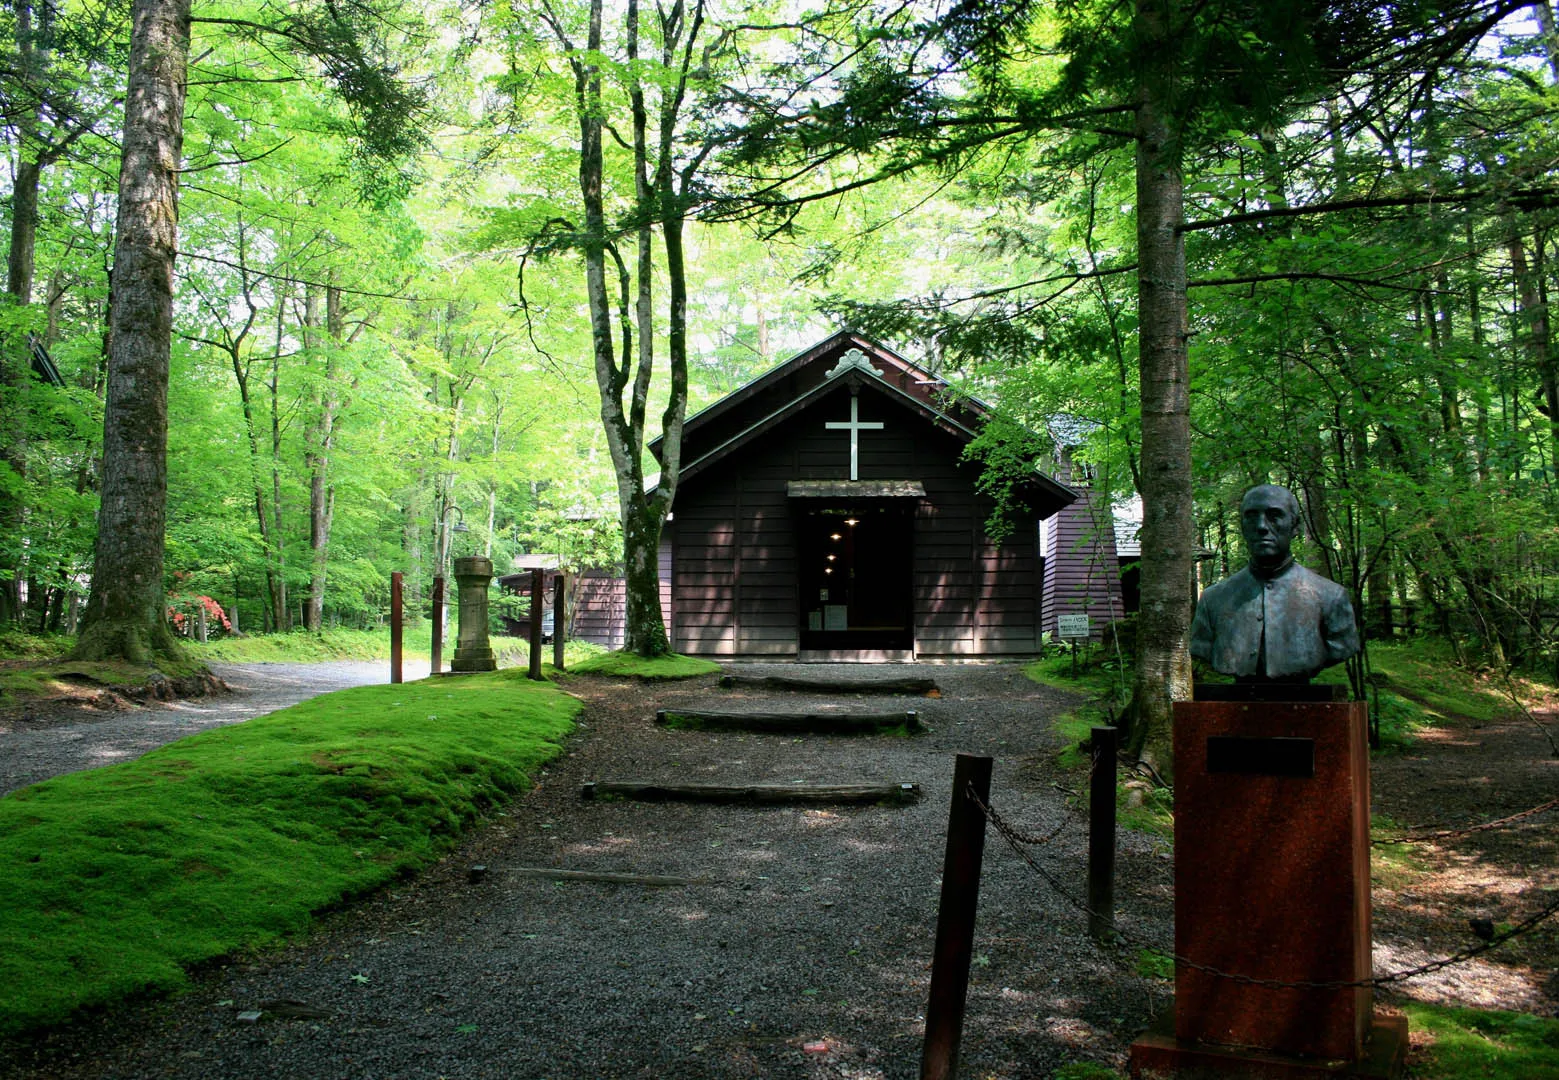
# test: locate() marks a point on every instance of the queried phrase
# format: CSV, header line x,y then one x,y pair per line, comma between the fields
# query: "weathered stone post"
x,y
472,649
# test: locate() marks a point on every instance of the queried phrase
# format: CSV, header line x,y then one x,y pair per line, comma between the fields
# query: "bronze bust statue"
x,y
1274,620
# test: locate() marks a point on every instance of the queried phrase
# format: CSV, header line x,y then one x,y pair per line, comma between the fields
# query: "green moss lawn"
x,y
670,666
116,880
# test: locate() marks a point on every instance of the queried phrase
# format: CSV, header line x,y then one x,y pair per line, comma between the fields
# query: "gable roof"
x,y
845,357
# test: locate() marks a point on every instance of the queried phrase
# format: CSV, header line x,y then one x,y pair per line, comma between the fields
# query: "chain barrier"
x,y
1421,837
1014,839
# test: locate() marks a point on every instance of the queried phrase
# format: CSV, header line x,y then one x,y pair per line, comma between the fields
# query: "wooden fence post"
x,y
438,623
537,598
1101,835
955,918
395,627
559,618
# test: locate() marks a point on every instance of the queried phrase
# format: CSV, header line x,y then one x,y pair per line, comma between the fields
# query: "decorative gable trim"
x,y
852,360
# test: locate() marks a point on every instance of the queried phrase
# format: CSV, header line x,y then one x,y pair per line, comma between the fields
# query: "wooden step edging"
x,y
911,686
756,794
790,723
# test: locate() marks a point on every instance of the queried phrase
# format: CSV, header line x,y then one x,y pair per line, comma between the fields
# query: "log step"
x,y
830,686
757,794
789,723
653,880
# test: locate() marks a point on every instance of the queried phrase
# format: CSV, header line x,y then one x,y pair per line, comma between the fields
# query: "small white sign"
x,y
1072,626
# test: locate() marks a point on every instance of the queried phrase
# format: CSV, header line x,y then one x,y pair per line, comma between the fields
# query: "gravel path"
x,y
805,952
800,947
36,748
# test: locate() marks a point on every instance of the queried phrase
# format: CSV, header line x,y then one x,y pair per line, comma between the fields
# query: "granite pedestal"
x,y
1272,885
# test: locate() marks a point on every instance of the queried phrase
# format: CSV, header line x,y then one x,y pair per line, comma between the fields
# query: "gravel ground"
x,y
802,949
805,952
39,744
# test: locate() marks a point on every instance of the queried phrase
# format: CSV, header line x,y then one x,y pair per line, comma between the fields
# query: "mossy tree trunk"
x,y
125,615
622,307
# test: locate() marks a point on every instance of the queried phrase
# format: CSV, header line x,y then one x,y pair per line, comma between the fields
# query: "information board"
x,y
1072,626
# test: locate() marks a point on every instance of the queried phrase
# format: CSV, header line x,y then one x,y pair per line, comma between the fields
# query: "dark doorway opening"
x,y
855,575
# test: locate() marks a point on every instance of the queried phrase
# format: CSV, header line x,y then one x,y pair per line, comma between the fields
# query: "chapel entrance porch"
x,y
854,578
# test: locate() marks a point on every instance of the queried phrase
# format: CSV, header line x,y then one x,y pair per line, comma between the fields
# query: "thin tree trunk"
x,y
279,567
1163,673
1447,379
125,614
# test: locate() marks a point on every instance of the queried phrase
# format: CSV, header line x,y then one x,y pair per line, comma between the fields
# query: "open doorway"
x,y
855,576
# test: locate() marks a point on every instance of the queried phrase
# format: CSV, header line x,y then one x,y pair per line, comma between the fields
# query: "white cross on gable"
x,y
855,425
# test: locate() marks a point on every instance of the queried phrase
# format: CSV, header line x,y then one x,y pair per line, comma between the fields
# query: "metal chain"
x,y
1010,835
1031,839
1445,834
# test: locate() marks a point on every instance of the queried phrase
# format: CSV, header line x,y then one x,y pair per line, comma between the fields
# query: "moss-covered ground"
x,y
118,879
1483,1044
33,670
623,664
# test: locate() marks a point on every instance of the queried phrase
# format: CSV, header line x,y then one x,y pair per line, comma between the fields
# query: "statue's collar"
x,y
1276,572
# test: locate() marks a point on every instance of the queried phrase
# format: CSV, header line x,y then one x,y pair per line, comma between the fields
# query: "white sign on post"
x,y
1071,626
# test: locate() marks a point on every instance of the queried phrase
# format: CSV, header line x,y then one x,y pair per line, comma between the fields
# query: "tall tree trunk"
x,y
15,357
657,203
1537,335
15,363
321,439
125,614
24,231
278,569
1447,379
1163,673
261,514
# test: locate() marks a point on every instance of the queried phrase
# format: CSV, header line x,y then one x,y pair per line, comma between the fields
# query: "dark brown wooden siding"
x,y
734,572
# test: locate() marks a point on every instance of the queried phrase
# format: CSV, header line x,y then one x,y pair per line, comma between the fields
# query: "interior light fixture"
x,y
828,569
852,521
831,558
836,536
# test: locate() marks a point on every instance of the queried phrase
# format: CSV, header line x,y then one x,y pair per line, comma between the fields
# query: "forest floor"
x,y
799,944
1460,773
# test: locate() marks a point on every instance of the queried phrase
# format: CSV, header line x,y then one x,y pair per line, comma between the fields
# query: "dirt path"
x,y
48,741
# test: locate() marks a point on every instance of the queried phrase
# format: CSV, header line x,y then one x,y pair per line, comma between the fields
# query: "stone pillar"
x,y
472,650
